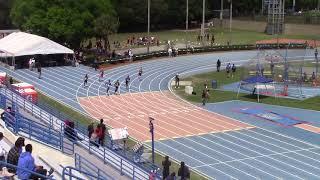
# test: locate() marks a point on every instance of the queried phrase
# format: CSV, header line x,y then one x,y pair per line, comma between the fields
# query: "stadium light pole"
x,y
203,18
152,136
230,22
293,5
187,21
221,13
148,46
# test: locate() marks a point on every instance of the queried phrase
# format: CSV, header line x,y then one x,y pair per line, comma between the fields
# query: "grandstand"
x,y
54,148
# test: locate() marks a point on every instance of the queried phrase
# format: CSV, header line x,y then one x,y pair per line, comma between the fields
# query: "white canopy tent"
x,y
23,44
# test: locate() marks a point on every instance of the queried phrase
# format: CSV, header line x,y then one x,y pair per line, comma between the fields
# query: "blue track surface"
x,y
265,152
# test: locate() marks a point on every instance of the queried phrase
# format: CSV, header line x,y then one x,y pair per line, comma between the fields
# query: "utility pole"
x,y
293,5
187,22
262,7
148,46
203,18
221,13
230,21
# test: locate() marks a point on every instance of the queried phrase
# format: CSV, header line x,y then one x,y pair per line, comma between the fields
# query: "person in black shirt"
x,y
85,81
218,65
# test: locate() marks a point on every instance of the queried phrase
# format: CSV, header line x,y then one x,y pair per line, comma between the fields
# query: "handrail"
x,y
38,132
67,174
84,165
123,161
24,169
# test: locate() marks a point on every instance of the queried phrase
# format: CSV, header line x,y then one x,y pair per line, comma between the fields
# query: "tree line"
x,y
75,21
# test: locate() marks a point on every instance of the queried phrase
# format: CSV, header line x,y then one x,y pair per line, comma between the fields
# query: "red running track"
x,y
173,118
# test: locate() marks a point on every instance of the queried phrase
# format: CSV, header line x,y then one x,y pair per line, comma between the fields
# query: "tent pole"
x,y
13,62
258,92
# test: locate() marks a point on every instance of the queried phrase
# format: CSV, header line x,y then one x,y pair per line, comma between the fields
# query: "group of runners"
x,y
108,83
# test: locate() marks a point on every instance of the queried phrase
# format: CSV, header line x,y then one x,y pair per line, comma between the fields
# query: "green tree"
x,y
5,6
104,26
67,21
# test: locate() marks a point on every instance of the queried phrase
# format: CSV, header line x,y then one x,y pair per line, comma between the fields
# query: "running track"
x,y
216,145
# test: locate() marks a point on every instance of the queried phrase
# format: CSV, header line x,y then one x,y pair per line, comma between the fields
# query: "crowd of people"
x,y
206,37
133,41
20,156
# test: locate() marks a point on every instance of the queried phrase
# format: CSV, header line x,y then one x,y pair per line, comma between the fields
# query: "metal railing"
x,y
120,160
70,173
38,132
84,165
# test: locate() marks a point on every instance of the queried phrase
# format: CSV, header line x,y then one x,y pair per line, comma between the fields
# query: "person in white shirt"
x,y
130,55
30,64
170,52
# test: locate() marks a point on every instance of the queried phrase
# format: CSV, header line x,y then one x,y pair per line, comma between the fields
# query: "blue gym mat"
x,y
271,116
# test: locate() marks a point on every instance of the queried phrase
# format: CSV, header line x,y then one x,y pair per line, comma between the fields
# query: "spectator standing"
x,y
313,76
233,70
316,53
30,64
218,65
14,153
212,40
90,130
170,52
102,132
166,167
177,79
130,55
272,68
228,68
26,161
184,172
39,70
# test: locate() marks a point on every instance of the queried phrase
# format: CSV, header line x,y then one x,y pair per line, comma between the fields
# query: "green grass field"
x,y
220,96
222,36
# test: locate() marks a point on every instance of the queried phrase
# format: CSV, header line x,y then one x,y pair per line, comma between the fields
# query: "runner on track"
x,y
85,81
140,74
127,82
108,85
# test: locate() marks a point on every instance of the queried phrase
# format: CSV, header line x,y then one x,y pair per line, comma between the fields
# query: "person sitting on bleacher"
x,y
14,153
2,151
26,161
